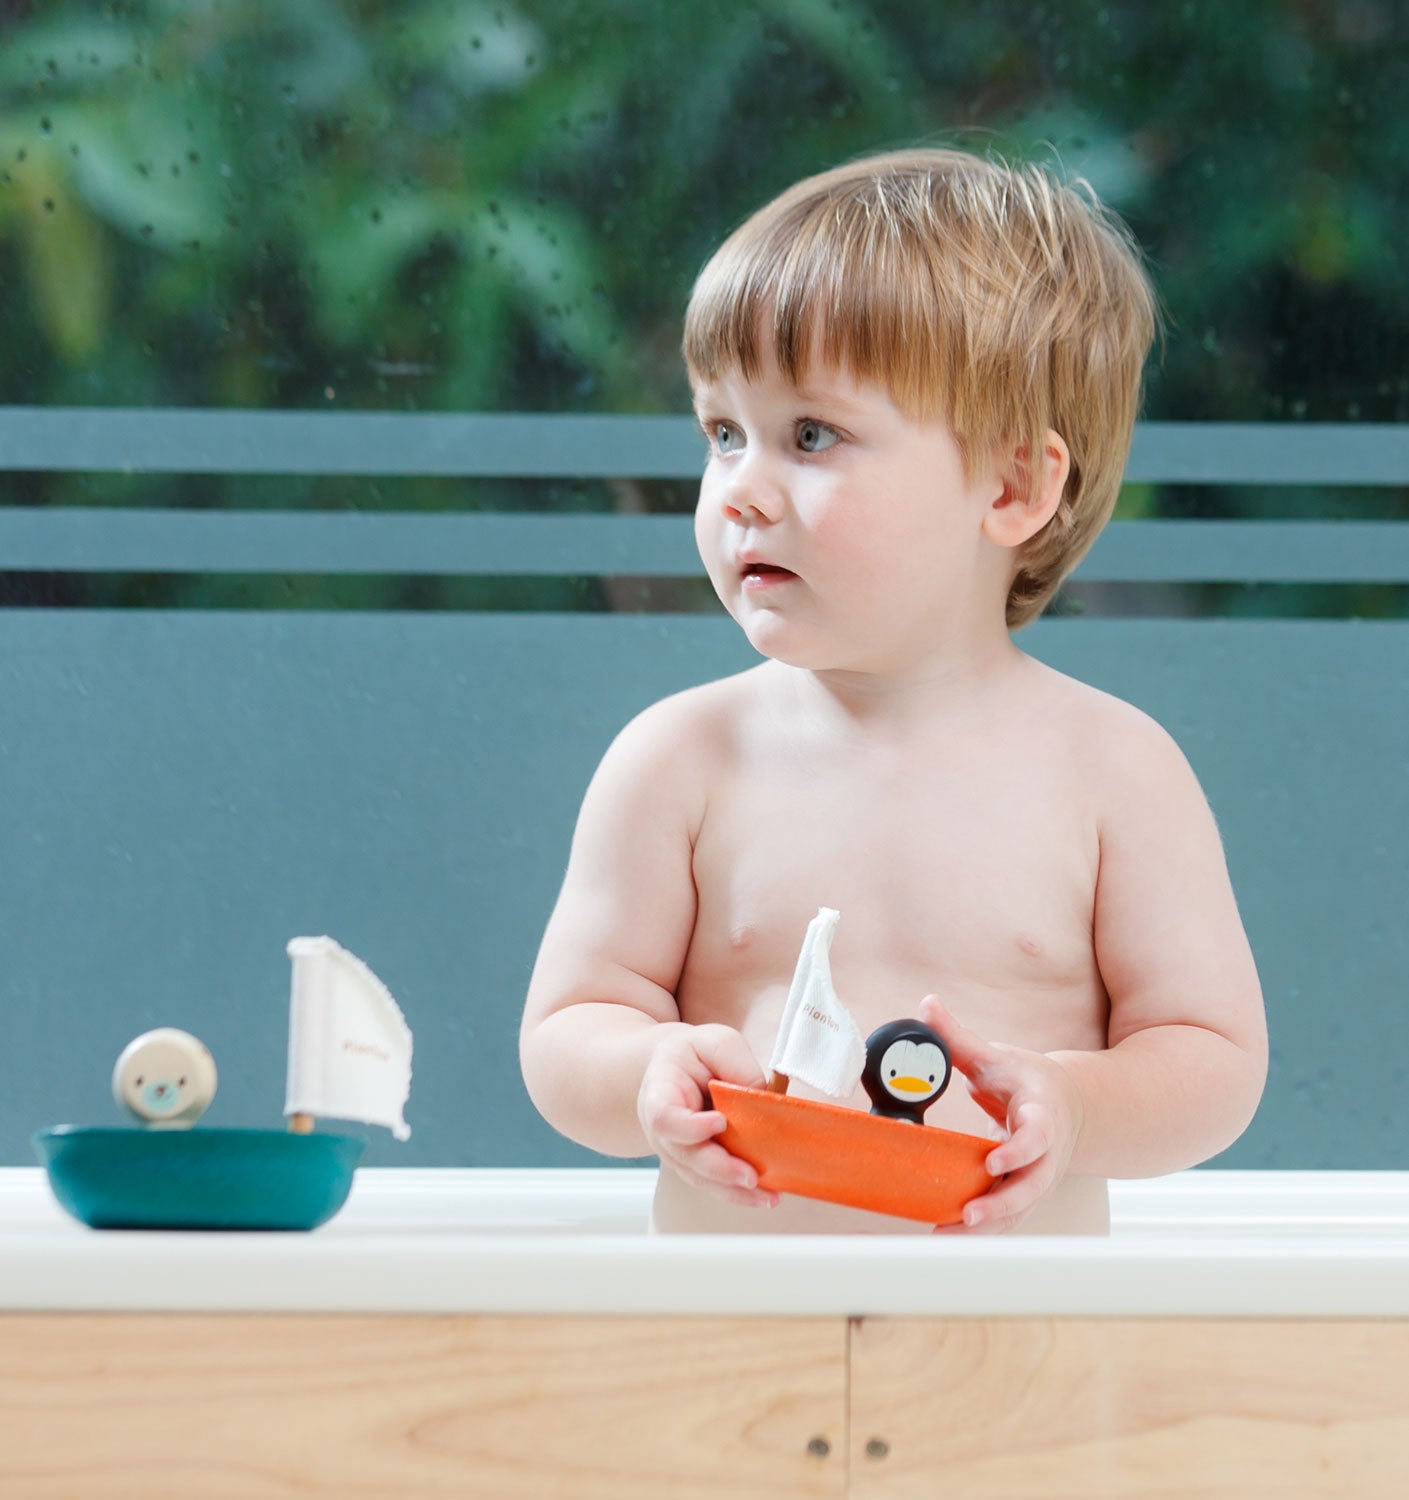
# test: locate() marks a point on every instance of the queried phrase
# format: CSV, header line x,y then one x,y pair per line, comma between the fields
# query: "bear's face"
x,y
165,1077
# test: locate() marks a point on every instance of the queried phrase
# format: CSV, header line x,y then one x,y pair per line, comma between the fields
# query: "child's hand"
x,y
673,1109
1036,1101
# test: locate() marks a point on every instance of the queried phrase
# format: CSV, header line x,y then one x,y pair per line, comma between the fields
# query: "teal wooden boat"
x,y
349,1058
217,1179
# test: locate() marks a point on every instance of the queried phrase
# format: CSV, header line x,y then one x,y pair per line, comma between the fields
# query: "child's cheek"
x,y
835,520
850,536
709,526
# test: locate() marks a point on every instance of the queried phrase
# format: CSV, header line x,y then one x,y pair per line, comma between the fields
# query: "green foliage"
x,y
475,205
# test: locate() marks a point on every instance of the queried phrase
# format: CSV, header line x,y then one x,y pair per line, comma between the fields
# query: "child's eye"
x,y
727,438
722,437
816,437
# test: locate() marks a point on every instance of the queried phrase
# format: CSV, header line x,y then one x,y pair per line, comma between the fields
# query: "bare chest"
x,y
950,878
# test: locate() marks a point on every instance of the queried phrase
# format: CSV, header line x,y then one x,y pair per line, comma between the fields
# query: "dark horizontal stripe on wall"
x,y
1232,602
372,593
549,596
176,541
531,445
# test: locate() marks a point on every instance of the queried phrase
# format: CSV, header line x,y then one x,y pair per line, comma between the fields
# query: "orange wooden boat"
x,y
841,1155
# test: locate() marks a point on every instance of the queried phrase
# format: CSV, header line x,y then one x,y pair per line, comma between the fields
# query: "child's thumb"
x,y
727,1055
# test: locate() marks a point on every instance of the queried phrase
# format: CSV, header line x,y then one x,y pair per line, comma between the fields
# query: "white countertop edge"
x,y
465,1241
802,1276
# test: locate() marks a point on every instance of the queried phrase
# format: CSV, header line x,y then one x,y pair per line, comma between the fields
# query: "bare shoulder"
x,y
667,755
690,726
1124,752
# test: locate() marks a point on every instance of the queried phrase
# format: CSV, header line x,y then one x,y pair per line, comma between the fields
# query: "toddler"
x,y
917,376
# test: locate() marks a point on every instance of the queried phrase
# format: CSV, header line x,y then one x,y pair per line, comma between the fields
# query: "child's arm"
x,y
605,1056
1187,1037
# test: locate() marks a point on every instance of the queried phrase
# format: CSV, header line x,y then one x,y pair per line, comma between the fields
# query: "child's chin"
x,y
782,641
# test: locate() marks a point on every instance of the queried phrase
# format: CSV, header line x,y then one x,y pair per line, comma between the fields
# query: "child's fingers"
x,y
688,1127
975,1057
668,1118
995,1106
990,1072
1033,1133
743,1197
663,1096
712,1168
715,1163
680,1127
1003,1207
727,1055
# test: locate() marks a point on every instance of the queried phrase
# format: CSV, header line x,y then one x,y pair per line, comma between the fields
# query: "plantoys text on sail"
x,y
818,1041
349,1044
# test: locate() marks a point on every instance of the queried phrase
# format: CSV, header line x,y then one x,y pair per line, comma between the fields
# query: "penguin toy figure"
x,y
907,1069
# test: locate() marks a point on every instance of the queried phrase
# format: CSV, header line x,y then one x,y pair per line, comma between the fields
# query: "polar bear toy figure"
x,y
165,1077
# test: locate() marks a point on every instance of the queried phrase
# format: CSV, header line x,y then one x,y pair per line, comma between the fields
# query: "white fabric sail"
x,y
818,1042
349,1045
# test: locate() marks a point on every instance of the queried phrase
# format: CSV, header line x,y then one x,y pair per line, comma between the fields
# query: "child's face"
x,y
840,533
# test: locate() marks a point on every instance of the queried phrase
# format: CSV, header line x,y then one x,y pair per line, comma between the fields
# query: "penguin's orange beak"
x,y
908,1085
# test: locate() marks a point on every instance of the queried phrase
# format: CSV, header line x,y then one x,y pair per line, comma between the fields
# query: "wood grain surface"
x,y
1184,1409
116,1407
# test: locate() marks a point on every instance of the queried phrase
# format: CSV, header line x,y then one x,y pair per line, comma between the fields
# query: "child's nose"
x,y
753,494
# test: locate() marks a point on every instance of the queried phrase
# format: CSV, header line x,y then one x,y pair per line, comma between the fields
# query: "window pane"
x,y
456,205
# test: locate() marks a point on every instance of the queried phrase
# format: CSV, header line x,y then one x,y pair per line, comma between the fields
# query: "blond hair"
x,y
995,296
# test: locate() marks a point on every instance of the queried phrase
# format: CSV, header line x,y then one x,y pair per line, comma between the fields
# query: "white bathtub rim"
x,y
617,1200
423,1241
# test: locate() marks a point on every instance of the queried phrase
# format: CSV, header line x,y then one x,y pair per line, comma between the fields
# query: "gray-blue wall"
x,y
182,792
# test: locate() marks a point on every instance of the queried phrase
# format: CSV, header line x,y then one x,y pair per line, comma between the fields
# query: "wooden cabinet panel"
x,y
1129,1410
108,1407
117,1407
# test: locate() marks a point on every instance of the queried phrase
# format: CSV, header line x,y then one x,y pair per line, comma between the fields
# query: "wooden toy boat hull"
x,y
825,1151
198,1179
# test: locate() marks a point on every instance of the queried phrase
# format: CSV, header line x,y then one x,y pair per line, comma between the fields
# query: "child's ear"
x,y
1022,509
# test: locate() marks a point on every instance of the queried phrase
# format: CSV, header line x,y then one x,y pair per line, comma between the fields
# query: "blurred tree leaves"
x,y
66,270
463,204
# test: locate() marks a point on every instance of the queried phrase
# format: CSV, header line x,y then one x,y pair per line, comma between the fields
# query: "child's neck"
x,y
939,687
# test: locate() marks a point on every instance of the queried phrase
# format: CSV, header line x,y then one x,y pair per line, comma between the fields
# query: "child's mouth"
x,y
762,575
